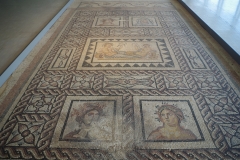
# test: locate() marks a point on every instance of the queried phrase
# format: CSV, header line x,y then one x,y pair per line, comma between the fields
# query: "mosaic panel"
x,y
144,21
123,80
109,21
89,122
164,122
127,53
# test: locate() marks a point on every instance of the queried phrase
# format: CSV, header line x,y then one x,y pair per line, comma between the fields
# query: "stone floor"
x,y
222,13
21,21
123,80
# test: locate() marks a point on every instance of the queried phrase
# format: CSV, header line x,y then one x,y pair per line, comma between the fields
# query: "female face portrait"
x,y
168,117
171,118
90,117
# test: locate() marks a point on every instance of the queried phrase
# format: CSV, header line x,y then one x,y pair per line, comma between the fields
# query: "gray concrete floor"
x,y
20,22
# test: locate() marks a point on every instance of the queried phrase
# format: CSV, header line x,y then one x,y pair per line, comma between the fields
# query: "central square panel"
x,y
128,53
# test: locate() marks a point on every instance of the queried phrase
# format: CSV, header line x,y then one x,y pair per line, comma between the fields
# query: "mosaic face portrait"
x,y
168,121
86,122
171,129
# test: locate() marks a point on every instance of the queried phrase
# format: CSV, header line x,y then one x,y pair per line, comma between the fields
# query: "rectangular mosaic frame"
x,y
169,60
150,21
57,141
206,142
103,22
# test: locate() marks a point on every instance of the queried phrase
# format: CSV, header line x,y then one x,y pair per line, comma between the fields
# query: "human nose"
x,y
95,116
166,116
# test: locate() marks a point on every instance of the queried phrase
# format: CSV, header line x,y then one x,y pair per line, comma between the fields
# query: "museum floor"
x,y
123,80
21,21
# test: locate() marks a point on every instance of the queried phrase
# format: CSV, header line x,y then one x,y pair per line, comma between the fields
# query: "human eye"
x,y
90,114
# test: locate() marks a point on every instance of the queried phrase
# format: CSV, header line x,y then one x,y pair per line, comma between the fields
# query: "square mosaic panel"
x,y
154,115
89,122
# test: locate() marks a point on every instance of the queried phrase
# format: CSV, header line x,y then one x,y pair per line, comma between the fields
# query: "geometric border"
x,y
199,57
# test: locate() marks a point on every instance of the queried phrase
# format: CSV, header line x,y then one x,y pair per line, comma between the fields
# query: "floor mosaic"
x,y
124,80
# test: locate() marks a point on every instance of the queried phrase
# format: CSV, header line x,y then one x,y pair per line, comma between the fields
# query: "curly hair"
x,y
88,107
178,112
